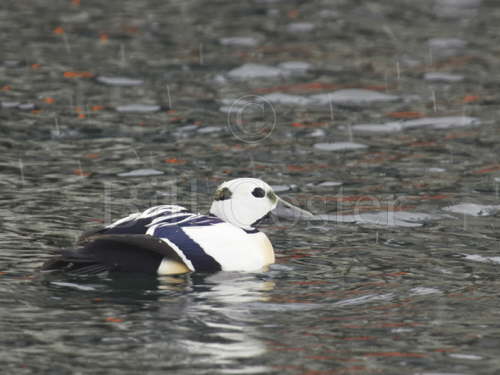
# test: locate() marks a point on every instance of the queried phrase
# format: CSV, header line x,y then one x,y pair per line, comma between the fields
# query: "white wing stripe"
x,y
150,212
174,247
131,217
153,211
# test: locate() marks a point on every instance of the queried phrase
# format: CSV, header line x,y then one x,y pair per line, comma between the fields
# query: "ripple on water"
x,y
73,286
141,173
446,47
300,27
295,66
364,299
390,218
339,146
456,9
472,357
138,108
482,259
119,81
352,97
473,209
329,184
446,122
286,99
243,41
443,77
252,71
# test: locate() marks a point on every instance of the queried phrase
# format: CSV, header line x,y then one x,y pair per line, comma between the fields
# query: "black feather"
x,y
133,226
114,252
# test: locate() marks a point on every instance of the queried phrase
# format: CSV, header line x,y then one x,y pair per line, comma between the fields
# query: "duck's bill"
x,y
289,211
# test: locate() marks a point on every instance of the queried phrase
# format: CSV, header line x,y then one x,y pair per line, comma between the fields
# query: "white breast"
x,y
233,248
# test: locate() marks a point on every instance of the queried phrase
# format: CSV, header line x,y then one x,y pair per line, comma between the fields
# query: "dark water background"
x,y
413,297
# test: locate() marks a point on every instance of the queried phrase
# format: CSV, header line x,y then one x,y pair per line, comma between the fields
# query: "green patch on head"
x,y
272,197
223,194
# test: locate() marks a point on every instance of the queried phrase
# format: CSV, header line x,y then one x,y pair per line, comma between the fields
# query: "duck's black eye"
x,y
258,192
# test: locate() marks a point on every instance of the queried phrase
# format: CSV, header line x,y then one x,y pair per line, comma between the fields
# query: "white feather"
x,y
233,248
156,210
150,212
130,217
171,267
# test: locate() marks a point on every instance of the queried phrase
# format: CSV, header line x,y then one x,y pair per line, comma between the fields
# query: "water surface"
x,y
395,276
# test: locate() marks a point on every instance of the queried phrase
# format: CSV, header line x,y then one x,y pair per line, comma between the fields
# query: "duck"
x,y
171,240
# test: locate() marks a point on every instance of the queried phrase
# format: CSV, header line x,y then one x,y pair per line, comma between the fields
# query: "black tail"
x,y
130,253
75,261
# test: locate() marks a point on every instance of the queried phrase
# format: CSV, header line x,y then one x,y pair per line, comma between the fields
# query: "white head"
x,y
244,201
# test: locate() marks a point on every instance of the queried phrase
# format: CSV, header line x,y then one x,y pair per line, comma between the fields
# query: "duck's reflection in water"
x,y
221,330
